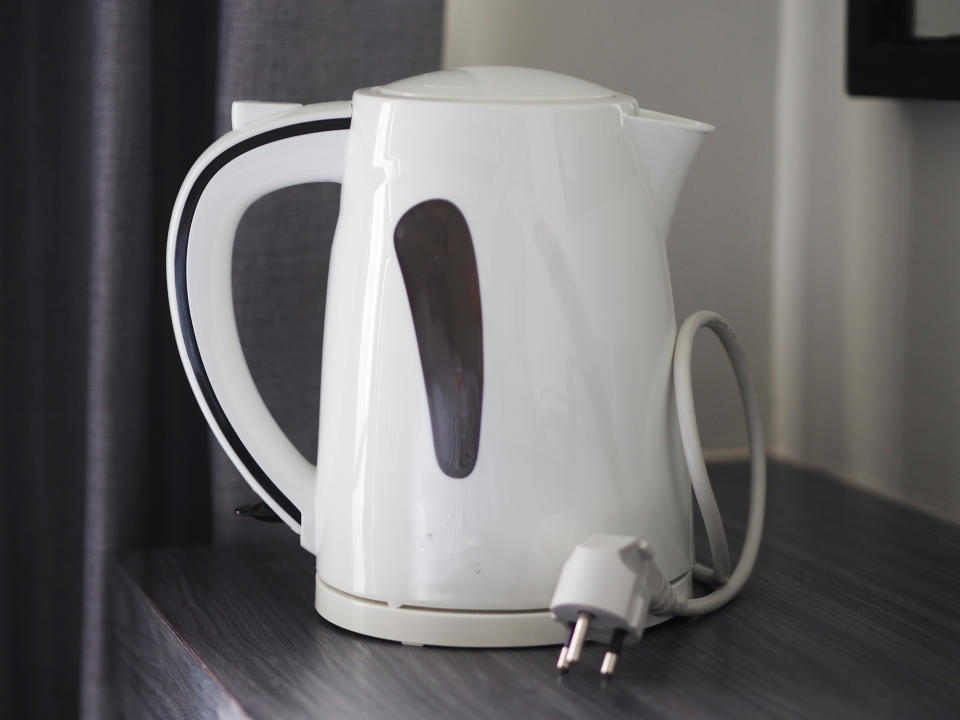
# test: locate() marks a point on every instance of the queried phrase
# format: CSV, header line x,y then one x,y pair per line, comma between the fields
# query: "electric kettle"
x,y
498,352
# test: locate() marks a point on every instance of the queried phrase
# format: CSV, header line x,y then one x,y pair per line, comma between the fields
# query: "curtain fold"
x,y
44,209
102,448
146,477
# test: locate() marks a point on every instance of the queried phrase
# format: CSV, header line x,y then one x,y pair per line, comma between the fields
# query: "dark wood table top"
x,y
852,611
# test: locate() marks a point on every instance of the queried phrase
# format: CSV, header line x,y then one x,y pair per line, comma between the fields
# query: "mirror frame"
x,y
885,59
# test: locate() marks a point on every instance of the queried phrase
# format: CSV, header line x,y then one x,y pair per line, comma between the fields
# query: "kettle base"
x,y
451,628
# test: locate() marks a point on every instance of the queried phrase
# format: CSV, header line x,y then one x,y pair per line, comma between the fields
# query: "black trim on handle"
x,y
183,304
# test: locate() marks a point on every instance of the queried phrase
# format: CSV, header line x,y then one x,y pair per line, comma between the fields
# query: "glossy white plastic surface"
x,y
457,628
495,84
246,112
567,189
225,197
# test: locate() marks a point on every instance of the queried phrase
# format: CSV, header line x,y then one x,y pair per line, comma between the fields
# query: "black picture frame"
x,y
885,59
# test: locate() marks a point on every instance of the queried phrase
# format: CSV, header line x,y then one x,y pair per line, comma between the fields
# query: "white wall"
x,y
930,431
866,366
839,257
827,228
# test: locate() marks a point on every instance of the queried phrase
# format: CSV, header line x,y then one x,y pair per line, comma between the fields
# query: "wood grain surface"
x,y
851,612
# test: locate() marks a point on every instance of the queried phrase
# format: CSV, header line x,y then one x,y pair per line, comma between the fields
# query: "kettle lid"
x,y
496,84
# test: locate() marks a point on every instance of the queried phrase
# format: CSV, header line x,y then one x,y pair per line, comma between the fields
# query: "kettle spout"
x,y
665,145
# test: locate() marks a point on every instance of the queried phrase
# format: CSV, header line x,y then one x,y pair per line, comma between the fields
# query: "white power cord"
x,y
610,583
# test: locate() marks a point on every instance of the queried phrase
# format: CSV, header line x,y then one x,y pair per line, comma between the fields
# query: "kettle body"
x,y
497,350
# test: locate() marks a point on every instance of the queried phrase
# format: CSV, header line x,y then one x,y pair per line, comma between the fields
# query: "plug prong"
x,y
611,656
562,660
577,638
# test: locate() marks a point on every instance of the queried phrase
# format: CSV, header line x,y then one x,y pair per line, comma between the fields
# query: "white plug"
x,y
607,588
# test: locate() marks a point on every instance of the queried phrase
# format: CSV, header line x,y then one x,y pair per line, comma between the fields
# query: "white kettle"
x,y
499,342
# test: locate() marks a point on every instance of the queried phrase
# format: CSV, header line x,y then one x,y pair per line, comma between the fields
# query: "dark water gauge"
x,y
439,270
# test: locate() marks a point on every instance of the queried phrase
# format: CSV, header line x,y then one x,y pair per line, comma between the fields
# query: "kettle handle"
x,y
306,144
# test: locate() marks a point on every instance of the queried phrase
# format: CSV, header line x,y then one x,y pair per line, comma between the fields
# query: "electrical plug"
x,y
607,588
610,584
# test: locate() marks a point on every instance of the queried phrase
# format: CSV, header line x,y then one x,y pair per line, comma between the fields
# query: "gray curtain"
x,y
105,105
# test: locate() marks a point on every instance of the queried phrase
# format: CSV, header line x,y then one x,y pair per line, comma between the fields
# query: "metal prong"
x,y
562,663
578,638
609,663
611,656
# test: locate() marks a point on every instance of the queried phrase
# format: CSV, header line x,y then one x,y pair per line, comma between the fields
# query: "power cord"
x,y
611,583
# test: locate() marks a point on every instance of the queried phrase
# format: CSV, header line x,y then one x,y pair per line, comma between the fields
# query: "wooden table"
x,y
852,611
